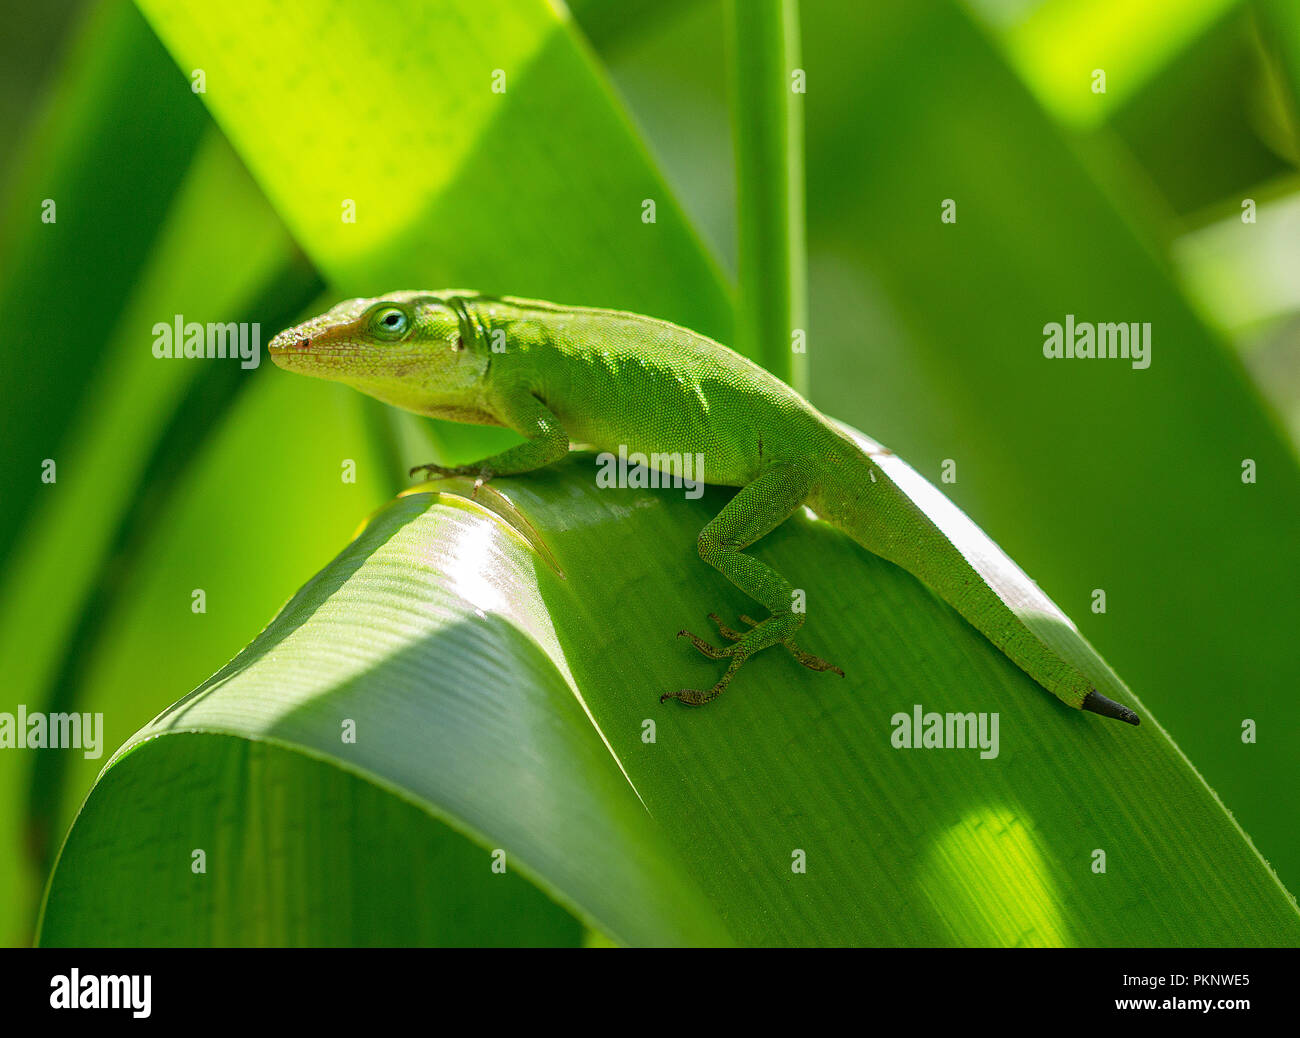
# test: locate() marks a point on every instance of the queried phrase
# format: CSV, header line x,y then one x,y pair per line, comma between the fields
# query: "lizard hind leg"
x,y
756,510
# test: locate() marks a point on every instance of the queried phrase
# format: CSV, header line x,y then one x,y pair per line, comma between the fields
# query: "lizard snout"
x,y
286,342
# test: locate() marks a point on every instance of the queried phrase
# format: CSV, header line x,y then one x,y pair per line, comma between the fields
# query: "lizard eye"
x,y
390,322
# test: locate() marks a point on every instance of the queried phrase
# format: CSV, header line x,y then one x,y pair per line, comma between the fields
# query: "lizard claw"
x,y
807,659
704,647
724,630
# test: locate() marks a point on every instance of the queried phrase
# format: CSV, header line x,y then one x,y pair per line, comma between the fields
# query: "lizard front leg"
x,y
547,442
755,511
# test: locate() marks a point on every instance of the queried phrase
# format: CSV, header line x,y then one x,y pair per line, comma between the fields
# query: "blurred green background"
x,y
1117,206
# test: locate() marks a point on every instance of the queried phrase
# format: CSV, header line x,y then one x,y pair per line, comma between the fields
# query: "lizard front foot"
x,y
434,471
482,475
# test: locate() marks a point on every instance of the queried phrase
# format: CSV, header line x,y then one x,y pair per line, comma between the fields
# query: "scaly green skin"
x,y
557,374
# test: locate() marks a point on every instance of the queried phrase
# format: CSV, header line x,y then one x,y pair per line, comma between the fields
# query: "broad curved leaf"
x,y
518,706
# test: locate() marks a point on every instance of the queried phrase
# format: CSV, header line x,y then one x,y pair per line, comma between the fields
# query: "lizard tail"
x,y
901,517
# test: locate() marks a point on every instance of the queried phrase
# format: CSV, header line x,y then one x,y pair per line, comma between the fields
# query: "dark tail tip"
x,y
1099,704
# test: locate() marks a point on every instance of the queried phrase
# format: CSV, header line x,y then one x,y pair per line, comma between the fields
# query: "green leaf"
x,y
1058,45
1279,30
1202,131
152,595
441,148
529,193
1091,474
431,169
119,151
300,868
116,121
517,706
141,429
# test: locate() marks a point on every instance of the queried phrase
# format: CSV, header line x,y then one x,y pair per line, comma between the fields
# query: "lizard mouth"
x,y
287,345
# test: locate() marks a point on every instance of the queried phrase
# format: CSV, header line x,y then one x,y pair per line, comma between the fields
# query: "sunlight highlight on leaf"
x,y
988,878
1058,45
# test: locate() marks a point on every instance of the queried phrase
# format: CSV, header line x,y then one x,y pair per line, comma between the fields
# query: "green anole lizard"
x,y
561,374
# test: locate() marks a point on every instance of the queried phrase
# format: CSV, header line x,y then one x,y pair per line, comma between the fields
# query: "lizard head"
x,y
417,350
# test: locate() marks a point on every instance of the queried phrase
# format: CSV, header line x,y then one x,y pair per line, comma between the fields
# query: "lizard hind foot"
x,y
777,628
805,659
